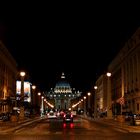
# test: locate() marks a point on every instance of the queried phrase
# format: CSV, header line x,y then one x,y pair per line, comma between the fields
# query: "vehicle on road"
x,y
68,117
51,115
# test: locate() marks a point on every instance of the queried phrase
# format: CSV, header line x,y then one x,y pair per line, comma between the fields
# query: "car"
x,y
68,117
5,116
61,114
51,115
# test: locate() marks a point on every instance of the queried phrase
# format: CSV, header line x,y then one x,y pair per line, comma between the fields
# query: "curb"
x,y
21,124
123,126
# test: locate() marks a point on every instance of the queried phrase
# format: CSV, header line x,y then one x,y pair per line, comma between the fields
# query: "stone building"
x,y
100,101
8,73
124,80
62,94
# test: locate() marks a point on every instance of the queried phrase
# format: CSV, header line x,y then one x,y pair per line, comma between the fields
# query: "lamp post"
x,y
42,106
109,110
89,106
39,99
89,94
95,102
21,115
84,105
39,102
33,98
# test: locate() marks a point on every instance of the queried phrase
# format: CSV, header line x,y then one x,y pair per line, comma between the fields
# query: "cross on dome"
x,y
63,75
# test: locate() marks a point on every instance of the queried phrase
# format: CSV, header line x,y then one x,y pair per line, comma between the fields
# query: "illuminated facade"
x,y
101,95
8,73
125,79
62,94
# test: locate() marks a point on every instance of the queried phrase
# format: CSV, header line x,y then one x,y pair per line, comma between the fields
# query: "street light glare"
x,y
108,74
89,93
22,73
33,87
95,87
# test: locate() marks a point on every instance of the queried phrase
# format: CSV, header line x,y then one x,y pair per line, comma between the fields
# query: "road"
x,y
80,129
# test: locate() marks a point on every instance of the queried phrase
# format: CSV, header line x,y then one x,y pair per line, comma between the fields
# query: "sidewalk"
x,y
10,126
125,126
121,125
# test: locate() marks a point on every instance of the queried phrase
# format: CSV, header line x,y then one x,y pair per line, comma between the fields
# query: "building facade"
x,y
62,94
125,79
8,73
101,96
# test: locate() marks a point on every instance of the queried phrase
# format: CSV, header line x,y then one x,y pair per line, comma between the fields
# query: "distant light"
x,y
108,74
33,87
22,73
95,87
89,93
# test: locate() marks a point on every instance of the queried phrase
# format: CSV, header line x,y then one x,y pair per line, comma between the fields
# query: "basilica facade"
x,y
62,94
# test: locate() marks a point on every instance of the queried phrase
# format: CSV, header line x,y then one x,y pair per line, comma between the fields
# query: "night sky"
x,y
79,42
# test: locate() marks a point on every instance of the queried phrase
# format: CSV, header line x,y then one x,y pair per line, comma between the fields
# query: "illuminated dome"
x,y
62,95
62,86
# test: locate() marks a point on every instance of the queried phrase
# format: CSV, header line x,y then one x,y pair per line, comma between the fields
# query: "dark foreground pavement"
x,y
8,126
125,126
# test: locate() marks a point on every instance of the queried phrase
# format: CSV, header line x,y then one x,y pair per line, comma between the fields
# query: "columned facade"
x,y
62,94
125,80
101,96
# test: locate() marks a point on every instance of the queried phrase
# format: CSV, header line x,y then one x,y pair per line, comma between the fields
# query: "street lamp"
x,y
39,102
89,108
108,74
95,102
22,74
33,98
42,106
89,99
84,105
109,110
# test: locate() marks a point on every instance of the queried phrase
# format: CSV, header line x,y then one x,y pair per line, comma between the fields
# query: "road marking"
x,y
121,130
58,133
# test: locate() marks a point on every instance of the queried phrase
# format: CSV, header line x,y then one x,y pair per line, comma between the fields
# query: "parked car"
x,y
68,117
5,116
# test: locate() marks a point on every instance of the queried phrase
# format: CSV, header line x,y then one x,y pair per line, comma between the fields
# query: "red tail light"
x,y
71,125
64,125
